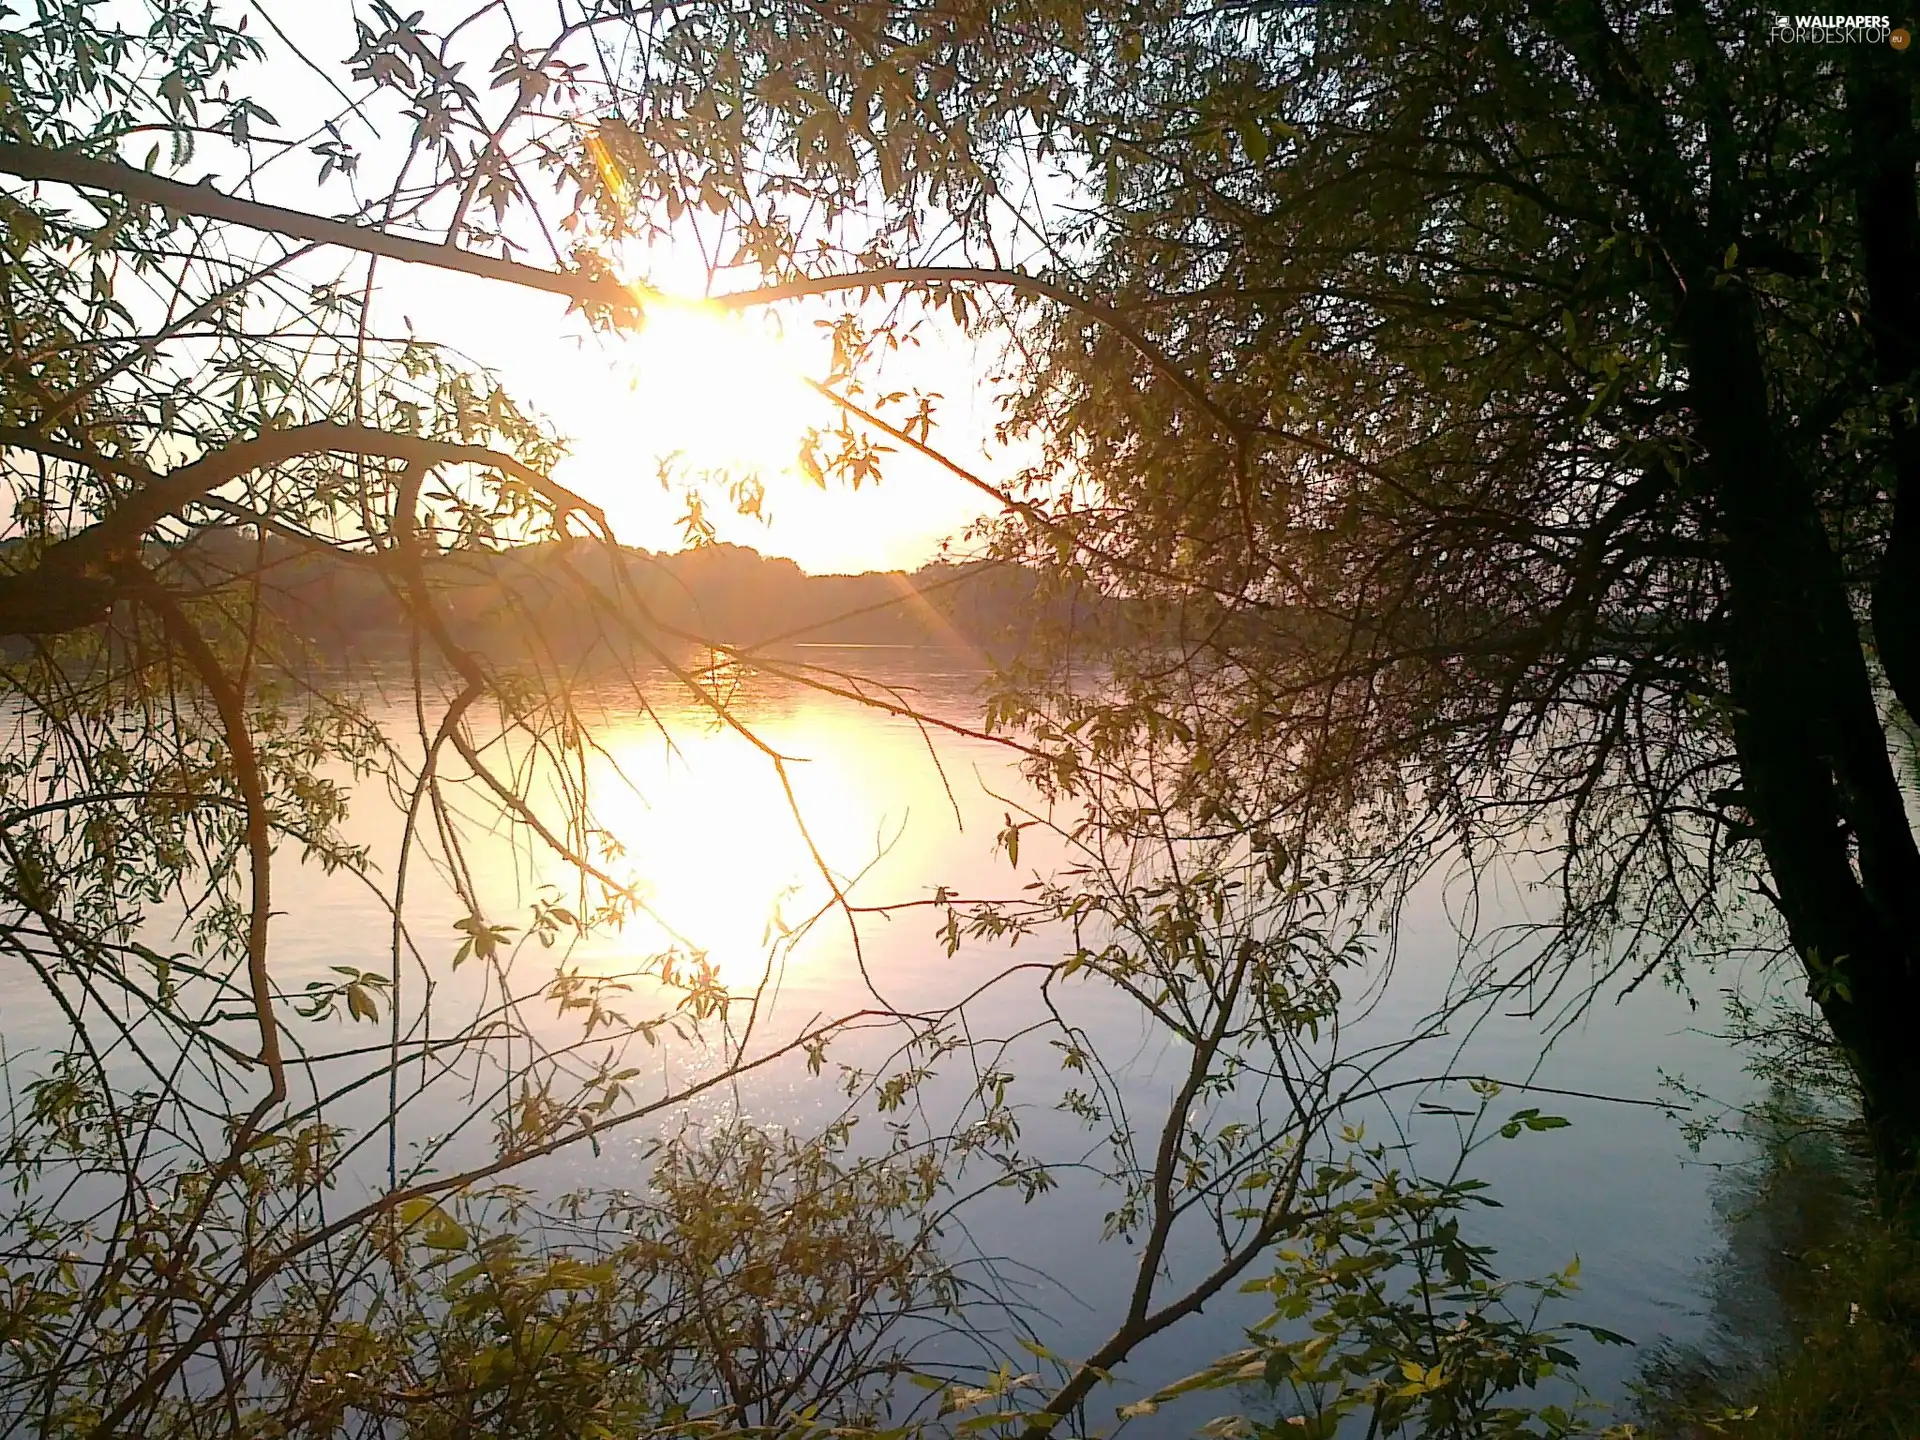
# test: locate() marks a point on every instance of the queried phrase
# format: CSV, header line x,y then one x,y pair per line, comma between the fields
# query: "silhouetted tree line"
x,y
342,602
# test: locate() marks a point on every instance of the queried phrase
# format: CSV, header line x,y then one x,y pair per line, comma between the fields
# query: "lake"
x,y
727,863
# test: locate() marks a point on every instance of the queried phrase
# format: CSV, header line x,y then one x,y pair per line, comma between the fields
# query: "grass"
x,y
1854,1371
1836,1288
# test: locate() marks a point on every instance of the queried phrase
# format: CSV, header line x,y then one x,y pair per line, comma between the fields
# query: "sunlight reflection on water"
x,y
703,822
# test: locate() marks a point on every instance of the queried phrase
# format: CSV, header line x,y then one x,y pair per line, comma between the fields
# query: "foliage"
x,y
1814,1316
209,1231
1379,1305
595,1316
1852,1371
1508,408
1405,1321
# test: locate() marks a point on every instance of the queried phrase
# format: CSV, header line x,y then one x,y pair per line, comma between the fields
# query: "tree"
x,y
198,399
1557,481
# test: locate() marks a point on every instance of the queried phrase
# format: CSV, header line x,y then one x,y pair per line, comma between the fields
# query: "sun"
x,y
709,407
720,391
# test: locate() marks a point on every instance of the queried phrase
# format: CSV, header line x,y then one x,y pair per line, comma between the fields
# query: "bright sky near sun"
x,y
714,391
711,390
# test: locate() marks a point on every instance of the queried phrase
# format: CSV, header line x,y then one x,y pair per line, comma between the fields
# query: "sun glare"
x,y
717,397
717,847
720,391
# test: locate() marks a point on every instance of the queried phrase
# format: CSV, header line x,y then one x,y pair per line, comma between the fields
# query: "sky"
x,y
713,392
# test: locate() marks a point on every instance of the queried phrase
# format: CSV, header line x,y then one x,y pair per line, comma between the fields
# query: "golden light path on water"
x,y
728,861
720,845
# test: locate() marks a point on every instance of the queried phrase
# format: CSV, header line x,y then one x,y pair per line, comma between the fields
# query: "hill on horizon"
x,y
723,593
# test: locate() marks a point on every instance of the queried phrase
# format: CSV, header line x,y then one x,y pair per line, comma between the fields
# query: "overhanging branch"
x,y
34,162
64,167
74,584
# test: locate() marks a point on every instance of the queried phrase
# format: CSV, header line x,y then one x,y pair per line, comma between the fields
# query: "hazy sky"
x,y
716,393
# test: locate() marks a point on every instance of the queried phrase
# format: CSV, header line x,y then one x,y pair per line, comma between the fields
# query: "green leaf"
x,y
1254,137
360,1003
1604,1336
445,1233
437,1229
977,1423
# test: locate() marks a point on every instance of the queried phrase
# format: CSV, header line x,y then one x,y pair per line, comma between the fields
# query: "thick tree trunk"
x,y
1880,114
1819,781
1820,784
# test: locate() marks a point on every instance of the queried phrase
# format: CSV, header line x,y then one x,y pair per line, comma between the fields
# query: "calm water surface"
x,y
708,831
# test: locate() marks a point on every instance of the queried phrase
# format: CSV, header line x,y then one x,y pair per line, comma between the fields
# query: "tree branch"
x,y
74,583
230,703
34,162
